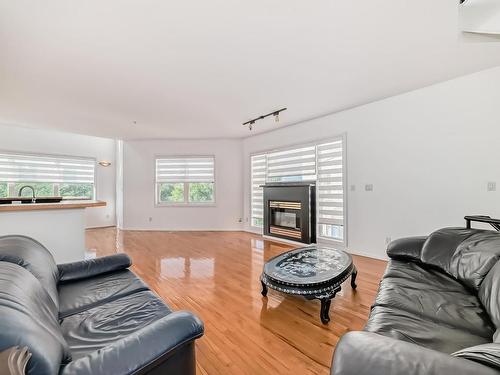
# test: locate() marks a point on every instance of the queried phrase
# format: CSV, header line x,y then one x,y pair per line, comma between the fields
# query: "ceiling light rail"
x,y
276,115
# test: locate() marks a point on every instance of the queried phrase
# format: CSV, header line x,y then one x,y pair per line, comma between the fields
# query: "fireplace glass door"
x,y
285,219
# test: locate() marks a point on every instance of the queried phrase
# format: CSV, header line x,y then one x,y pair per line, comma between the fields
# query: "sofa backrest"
x,y
34,257
29,317
466,254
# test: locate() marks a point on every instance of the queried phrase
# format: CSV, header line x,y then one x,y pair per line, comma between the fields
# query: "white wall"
x,y
13,138
139,190
429,154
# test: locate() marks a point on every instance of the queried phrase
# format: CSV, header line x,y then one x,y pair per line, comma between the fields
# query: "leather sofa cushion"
x,y
96,328
76,296
433,295
409,248
28,317
406,326
489,294
93,267
487,354
429,308
33,256
466,254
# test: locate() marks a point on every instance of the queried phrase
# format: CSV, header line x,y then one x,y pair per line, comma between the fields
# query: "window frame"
x,y
319,239
185,203
10,185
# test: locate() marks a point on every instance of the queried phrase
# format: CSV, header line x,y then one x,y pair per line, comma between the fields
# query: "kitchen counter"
x,y
63,205
60,226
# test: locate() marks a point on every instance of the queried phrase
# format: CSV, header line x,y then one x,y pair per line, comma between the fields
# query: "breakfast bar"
x,y
59,226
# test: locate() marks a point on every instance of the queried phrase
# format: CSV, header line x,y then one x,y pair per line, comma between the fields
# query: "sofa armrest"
x,y
93,267
367,353
140,349
406,248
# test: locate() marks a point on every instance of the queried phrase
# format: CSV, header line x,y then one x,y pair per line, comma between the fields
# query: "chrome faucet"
x,y
33,199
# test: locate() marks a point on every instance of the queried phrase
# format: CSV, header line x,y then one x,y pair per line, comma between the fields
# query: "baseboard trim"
x,y
183,230
101,227
366,255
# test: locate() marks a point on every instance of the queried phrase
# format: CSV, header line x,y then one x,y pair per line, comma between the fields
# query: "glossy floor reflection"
x,y
216,275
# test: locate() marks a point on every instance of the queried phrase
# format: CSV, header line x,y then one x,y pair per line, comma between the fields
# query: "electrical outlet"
x,y
369,187
492,186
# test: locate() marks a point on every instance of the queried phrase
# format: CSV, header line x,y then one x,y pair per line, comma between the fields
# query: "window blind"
x,y
293,164
185,169
258,173
330,183
50,169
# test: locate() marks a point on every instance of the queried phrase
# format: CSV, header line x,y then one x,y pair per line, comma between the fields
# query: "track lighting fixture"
x,y
276,115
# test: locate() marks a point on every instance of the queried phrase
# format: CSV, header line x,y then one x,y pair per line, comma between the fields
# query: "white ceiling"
x,y
198,69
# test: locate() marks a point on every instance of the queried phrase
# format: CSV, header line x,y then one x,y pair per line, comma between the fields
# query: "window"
x,y
49,175
320,162
185,180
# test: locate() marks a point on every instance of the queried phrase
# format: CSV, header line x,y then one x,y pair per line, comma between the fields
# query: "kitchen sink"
x,y
28,200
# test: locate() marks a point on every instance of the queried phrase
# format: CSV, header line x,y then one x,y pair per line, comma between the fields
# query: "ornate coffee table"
x,y
314,272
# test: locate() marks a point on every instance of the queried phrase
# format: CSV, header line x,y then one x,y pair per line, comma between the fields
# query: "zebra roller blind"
x,y
292,165
330,183
185,169
17,167
258,174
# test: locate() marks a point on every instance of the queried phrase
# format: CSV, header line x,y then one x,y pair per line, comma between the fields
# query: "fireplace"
x,y
289,211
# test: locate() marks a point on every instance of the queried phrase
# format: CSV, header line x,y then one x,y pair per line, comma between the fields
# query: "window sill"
x,y
76,199
211,204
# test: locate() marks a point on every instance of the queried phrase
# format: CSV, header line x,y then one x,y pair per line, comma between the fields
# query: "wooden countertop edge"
x,y
63,205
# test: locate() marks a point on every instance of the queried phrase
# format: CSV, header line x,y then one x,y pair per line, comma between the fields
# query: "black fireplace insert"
x,y
289,211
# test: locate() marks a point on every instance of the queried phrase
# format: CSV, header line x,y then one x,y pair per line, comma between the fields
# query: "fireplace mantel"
x,y
288,184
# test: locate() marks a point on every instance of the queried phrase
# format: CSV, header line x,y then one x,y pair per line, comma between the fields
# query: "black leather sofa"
x,y
89,317
437,311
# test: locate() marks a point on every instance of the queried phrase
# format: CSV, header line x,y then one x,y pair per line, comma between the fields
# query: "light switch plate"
x,y
492,186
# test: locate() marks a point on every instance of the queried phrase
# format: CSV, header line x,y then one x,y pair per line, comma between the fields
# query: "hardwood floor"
x,y
216,275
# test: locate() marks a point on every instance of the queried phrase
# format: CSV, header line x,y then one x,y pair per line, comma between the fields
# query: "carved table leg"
x,y
353,277
264,289
325,309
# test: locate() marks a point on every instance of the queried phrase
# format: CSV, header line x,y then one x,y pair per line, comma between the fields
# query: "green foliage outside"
x,y
201,192
42,189
46,189
3,190
172,193
76,191
257,222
